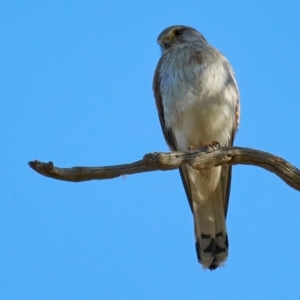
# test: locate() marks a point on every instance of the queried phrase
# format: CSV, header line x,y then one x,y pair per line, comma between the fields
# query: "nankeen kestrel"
x,y
197,100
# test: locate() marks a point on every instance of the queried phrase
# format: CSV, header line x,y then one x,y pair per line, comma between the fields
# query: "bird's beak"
x,y
167,43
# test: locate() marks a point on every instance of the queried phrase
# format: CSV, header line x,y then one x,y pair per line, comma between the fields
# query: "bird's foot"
x,y
212,146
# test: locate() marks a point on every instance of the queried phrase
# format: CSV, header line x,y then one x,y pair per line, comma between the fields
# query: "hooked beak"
x,y
167,44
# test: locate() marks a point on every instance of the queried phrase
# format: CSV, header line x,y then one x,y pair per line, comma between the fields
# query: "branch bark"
x,y
202,158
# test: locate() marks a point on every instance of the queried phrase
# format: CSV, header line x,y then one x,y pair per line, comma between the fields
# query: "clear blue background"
x,y
75,89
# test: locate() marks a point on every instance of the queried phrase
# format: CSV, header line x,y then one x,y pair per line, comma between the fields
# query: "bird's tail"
x,y
210,232
206,196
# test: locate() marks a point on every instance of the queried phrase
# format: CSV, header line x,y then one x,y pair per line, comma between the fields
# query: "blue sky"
x,y
75,89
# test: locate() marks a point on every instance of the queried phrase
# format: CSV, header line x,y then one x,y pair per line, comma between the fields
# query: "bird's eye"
x,y
177,32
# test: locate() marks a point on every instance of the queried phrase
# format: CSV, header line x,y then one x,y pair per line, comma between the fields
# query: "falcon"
x,y
197,99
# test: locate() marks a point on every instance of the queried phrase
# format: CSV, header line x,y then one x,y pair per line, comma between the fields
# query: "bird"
x,y
198,102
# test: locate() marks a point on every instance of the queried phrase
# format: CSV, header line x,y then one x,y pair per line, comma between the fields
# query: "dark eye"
x,y
177,32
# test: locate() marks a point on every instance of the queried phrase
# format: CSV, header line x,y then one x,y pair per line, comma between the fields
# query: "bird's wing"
x,y
227,170
168,133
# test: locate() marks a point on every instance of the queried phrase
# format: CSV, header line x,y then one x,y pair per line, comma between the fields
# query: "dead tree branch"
x,y
202,158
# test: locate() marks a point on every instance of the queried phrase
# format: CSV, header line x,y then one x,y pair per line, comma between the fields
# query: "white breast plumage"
x,y
192,95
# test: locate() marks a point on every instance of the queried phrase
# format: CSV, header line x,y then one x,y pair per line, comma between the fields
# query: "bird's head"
x,y
178,34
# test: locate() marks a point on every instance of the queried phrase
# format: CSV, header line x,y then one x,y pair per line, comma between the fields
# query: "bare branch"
x,y
201,158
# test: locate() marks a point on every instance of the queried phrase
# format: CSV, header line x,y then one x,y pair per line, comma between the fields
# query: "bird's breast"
x,y
198,101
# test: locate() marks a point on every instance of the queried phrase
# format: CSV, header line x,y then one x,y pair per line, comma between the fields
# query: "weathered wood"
x,y
202,158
